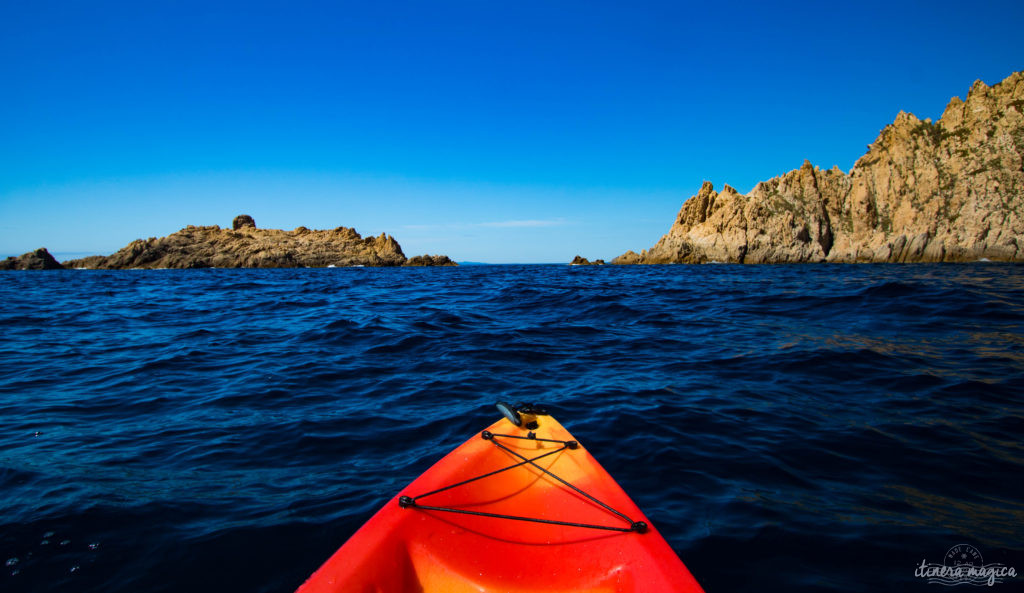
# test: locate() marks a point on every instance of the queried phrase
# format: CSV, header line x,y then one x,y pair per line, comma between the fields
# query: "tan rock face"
x,y
246,246
924,192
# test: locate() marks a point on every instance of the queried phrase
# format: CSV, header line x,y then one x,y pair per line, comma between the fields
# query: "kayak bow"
x,y
521,507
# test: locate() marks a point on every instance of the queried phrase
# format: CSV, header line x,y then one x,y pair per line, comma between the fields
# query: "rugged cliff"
x,y
924,192
245,246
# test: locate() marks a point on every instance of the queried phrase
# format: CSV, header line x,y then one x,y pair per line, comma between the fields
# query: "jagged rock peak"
x,y
951,190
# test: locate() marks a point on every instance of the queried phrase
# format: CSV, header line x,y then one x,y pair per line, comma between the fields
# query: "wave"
x,y
778,416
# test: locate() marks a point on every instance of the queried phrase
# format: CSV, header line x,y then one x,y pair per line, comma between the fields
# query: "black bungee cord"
x,y
412,501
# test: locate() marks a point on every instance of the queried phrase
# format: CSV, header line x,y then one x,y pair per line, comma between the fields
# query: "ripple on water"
x,y
798,428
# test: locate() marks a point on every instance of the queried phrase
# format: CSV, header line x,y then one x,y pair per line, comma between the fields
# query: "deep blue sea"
x,y
788,428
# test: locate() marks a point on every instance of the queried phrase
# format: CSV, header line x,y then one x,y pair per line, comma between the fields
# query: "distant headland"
x,y
949,191
242,246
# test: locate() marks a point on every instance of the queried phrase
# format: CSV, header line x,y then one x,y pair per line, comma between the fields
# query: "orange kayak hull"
x,y
407,549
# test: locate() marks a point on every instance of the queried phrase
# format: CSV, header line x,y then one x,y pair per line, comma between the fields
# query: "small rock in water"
x,y
65,542
94,545
11,562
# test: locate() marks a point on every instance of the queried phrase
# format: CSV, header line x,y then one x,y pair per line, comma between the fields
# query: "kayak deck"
x,y
445,537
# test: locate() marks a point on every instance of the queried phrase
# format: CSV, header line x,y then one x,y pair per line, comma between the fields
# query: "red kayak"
x,y
520,507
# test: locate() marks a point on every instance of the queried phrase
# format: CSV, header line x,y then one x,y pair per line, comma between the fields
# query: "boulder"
x,y
243,221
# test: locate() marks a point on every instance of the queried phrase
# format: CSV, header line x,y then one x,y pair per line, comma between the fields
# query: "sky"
x,y
485,130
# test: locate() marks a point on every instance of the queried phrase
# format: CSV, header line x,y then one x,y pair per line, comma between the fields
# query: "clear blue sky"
x,y
486,130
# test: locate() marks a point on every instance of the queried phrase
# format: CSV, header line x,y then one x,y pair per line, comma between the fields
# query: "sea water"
x,y
787,428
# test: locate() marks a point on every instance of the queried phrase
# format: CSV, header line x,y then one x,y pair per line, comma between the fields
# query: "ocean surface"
x,y
787,428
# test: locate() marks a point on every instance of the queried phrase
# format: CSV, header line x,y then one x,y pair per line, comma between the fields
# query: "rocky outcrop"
x,y
952,190
245,246
40,259
582,261
429,260
243,221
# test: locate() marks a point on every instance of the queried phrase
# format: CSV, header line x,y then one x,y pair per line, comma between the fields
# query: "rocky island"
x,y
582,261
952,190
243,246
40,259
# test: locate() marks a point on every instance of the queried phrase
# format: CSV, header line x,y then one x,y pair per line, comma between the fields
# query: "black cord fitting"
x,y
406,501
486,435
531,435
572,445
532,409
639,526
